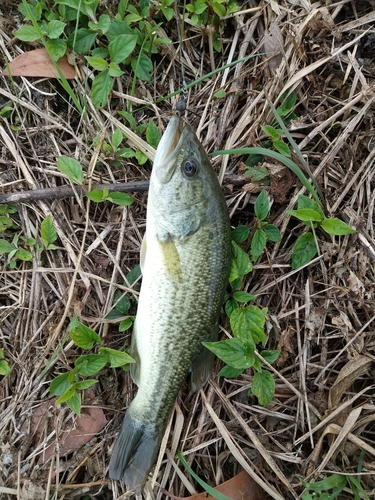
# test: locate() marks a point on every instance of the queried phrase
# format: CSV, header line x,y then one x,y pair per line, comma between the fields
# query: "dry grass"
x,y
320,317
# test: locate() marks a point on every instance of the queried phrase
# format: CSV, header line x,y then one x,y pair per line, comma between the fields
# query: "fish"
x,y
185,262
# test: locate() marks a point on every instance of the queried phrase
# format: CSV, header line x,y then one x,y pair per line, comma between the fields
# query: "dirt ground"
x,y
321,421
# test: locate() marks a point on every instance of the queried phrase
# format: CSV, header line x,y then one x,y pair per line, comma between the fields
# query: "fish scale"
x,y
185,260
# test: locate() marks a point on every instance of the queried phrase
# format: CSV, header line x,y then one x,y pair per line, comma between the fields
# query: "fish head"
x,y
184,190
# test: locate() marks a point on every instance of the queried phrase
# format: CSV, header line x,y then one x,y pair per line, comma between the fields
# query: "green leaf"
x,y
258,243
282,148
289,101
305,202
59,384
230,306
116,358
23,254
271,131
219,9
95,195
129,118
133,275
168,12
263,387
117,138
97,63
272,233
122,199
85,384
27,34
209,489
142,67
262,206
240,263
56,48
6,247
82,335
243,297
4,368
66,395
330,482
270,356
306,214
91,364
141,157
220,94
257,174
101,52
240,234
121,47
114,70
125,153
122,306
71,168
248,323
117,28
237,353
304,250
336,227
82,40
230,372
48,232
74,403
55,29
152,134
101,88
125,324
10,208
104,23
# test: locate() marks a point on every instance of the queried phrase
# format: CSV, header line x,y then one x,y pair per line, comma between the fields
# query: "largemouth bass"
x,y
185,260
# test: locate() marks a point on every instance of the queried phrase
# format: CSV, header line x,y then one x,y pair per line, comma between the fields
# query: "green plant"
x,y
115,197
4,366
125,40
309,212
6,222
149,129
67,385
122,303
20,247
275,136
239,353
331,487
240,261
264,231
207,488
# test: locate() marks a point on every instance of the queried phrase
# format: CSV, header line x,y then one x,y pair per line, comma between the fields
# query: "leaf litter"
x,y
322,414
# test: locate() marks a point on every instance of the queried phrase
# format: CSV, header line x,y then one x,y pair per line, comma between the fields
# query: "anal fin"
x,y
203,365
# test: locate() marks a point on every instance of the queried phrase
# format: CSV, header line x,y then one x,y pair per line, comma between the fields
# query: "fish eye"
x,y
189,167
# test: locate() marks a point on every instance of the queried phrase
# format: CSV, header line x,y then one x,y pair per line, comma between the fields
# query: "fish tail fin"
x,y
135,451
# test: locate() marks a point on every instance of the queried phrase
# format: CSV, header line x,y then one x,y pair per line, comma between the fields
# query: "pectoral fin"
x,y
143,253
171,260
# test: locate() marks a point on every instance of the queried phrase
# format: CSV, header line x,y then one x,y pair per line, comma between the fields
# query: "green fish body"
x,y
185,260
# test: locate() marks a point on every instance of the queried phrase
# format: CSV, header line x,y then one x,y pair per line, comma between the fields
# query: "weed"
x,y
264,231
67,385
109,44
309,212
4,366
21,248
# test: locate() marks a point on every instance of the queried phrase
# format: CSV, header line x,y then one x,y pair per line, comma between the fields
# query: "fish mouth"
x,y
168,149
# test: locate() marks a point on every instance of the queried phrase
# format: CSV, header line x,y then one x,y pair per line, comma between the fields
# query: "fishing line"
x,y
182,102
